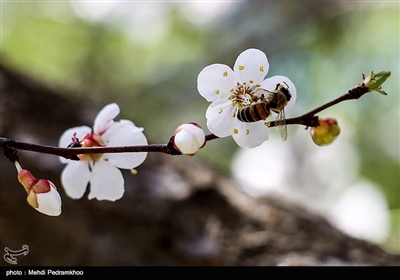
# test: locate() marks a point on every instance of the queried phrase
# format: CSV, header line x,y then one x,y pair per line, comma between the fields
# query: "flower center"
x,y
91,140
243,95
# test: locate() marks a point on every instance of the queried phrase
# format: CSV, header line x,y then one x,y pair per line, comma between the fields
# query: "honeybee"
x,y
268,101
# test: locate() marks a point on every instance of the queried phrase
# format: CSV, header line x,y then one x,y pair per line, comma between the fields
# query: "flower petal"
x,y
270,84
125,133
251,66
216,81
66,137
250,135
49,203
107,182
220,117
105,118
75,178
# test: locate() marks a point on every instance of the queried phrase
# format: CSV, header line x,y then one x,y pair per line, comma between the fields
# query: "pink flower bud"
x,y
27,179
189,138
326,132
41,194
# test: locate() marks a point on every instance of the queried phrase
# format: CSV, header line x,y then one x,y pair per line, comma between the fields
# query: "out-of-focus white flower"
x,y
308,176
232,90
101,170
189,138
42,194
362,212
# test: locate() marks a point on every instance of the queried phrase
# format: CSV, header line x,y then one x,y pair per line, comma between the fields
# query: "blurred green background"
x,y
146,56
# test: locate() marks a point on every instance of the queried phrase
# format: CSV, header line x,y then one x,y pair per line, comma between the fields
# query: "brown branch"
x,y
70,152
309,119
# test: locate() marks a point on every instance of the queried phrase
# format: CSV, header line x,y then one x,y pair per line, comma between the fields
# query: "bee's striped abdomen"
x,y
254,113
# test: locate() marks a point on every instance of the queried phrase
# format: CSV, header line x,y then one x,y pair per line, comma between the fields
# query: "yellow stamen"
x,y
241,67
217,91
251,81
261,68
235,131
134,171
225,74
220,111
247,132
267,124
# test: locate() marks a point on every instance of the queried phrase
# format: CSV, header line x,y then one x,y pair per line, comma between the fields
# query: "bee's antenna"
x,y
286,85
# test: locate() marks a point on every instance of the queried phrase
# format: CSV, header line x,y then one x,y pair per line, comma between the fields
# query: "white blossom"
x,y
231,90
101,170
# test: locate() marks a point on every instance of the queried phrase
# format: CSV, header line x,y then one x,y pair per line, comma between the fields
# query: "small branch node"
x,y
9,152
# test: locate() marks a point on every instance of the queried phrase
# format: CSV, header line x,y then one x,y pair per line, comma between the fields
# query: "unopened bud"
x,y
41,194
374,81
326,132
189,138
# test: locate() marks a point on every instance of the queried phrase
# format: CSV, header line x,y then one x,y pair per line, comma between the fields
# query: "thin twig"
x,y
309,119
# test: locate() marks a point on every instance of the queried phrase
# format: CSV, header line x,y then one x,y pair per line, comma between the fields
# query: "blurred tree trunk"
x,y
175,211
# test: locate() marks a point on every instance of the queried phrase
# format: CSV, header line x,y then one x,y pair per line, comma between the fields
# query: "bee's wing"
x,y
280,123
260,92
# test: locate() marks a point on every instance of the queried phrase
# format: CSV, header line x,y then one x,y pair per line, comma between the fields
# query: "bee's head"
x,y
284,88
